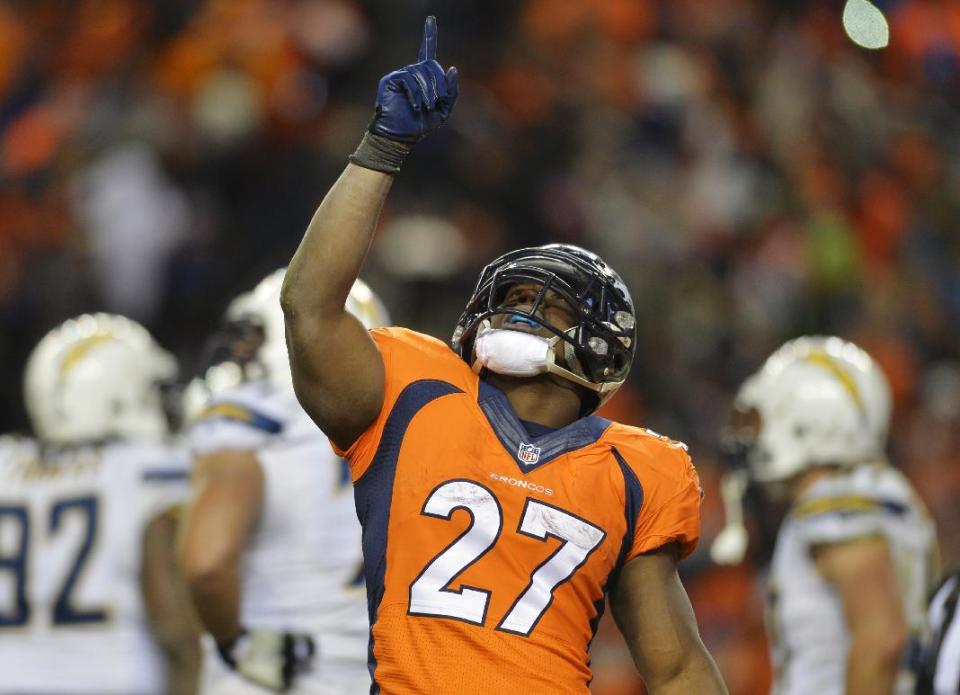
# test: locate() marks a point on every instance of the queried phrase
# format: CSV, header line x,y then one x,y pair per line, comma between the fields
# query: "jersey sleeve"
x,y
838,518
847,506
234,420
670,510
407,357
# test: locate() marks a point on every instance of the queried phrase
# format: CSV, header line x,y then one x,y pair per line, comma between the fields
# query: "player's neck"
x,y
543,399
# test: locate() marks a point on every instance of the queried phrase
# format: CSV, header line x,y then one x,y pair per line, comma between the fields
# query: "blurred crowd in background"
x,y
752,173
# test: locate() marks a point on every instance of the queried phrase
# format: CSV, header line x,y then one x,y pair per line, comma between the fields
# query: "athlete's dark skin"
x,y
546,399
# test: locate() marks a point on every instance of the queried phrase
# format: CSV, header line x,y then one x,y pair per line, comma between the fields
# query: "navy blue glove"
x,y
416,99
411,102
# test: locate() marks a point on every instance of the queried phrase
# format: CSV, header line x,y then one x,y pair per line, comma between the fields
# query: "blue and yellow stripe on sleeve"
x,y
239,413
847,505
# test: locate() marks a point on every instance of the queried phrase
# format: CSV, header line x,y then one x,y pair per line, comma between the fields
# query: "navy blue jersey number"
x,y
15,525
64,612
14,561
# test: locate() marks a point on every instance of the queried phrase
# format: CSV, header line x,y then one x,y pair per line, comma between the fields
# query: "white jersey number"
x,y
429,594
15,541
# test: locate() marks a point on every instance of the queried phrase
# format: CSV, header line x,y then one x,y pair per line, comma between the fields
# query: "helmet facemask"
x,y
239,342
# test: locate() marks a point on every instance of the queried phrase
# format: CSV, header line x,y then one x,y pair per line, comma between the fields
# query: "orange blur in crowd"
x,y
850,228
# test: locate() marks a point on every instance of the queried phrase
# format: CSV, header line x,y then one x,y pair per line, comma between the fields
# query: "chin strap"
x,y
554,368
730,545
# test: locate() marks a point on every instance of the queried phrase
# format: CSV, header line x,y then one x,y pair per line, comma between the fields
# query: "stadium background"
x,y
751,172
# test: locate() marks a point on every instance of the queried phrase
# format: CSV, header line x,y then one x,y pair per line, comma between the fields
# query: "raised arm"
x,y
654,614
337,370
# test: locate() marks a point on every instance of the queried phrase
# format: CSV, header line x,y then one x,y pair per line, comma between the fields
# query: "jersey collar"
x,y
529,452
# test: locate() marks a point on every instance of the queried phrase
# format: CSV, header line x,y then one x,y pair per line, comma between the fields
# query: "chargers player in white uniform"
x,y
271,544
90,601
856,553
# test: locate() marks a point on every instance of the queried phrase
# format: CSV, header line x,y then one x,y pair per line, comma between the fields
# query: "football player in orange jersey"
x,y
498,513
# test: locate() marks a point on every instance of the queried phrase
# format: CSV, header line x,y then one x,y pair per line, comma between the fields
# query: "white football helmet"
x,y
261,306
98,377
821,401
817,400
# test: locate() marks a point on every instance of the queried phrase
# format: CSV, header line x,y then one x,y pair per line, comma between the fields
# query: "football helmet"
x,y
821,400
598,350
251,344
98,377
817,400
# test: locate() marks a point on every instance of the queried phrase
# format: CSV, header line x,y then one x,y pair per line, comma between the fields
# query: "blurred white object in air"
x,y
135,218
442,248
865,24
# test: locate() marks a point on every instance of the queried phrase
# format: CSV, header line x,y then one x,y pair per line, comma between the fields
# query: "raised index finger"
x,y
428,47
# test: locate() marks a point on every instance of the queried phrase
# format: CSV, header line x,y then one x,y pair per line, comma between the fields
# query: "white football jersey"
x,y
806,625
72,618
302,568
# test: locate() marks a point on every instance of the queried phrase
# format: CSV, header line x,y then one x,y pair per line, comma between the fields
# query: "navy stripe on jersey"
x,y
633,494
373,493
634,501
164,475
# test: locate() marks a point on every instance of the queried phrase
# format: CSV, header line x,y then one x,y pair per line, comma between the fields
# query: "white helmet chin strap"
x,y
516,353
730,545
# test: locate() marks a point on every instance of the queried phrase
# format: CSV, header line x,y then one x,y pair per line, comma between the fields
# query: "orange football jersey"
x,y
487,552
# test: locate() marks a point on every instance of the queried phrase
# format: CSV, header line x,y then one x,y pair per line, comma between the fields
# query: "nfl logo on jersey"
x,y
528,453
